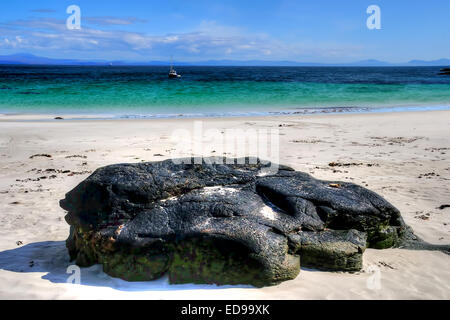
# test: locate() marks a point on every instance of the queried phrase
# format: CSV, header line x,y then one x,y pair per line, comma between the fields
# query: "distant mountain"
x,y
440,62
29,59
370,63
252,63
367,63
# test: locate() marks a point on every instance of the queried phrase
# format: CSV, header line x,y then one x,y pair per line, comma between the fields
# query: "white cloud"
x,y
209,40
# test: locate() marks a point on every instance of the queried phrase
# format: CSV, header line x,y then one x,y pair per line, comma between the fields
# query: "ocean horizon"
x,y
146,92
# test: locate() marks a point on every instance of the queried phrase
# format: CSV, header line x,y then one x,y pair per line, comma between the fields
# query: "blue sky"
x,y
327,31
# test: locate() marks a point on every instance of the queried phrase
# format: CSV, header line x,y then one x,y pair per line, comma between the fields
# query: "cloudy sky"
x,y
326,31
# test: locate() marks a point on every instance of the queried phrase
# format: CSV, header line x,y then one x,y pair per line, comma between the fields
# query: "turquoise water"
x,y
146,91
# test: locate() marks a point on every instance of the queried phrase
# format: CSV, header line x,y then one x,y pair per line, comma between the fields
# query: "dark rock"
x,y
331,249
445,72
223,223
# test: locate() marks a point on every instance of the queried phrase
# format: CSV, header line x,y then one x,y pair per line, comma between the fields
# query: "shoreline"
x,y
38,117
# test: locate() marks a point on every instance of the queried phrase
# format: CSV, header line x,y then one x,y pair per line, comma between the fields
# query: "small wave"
x,y
302,111
231,114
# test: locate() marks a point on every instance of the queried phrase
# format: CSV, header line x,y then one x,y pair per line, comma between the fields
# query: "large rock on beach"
x,y
212,223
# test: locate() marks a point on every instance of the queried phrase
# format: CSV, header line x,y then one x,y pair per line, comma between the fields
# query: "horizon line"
x,y
27,59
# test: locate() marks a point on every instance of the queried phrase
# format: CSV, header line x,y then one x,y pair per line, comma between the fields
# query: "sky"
x,y
324,31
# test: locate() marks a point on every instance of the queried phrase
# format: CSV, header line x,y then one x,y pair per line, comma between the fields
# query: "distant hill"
x,y
441,62
371,63
29,59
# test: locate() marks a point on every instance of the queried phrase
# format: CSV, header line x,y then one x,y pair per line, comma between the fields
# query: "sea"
x,y
129,92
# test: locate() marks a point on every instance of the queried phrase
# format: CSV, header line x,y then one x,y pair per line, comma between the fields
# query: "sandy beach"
x,y
403,156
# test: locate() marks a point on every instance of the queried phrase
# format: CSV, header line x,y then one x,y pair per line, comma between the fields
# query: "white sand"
x,y
401,147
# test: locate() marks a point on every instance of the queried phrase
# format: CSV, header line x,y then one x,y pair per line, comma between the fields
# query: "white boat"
x,y
172,73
